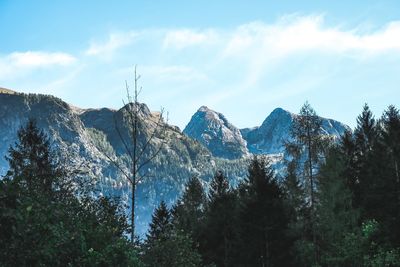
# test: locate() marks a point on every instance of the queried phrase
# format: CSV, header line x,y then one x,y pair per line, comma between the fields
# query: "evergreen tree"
x,y
365,137
218,241
31,164
188,213
336,215
386,166
42,221
305,149
160,224
166,245
263,218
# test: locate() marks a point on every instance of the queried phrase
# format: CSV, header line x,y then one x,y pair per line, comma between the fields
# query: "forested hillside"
x,y
338,204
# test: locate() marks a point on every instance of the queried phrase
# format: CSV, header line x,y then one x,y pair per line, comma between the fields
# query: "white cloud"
x,y
302,34
18,63
115,41
180,39
38,59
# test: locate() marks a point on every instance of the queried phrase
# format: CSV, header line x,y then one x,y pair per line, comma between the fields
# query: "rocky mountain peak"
x,y
215,132
269,138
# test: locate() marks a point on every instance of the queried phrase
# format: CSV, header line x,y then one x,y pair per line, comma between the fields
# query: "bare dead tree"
x,y
139,152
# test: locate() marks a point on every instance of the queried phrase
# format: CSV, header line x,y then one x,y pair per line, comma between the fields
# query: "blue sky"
x,y
241,58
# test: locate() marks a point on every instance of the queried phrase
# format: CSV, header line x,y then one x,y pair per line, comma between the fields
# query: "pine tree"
x,y
337,217
160,224
188,213
31,164
166,245
218,241
263,218
42,221
386,166
306,149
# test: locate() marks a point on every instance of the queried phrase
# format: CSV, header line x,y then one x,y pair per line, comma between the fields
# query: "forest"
x,y
337,204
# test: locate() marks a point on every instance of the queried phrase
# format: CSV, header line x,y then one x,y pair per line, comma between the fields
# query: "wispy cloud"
x,y
301,34
180,39
38,59
114,42
285,59
18,63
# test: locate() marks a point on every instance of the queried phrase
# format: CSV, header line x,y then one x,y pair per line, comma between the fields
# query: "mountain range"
x,y
83,138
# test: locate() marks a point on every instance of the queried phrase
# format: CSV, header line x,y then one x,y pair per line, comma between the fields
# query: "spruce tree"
x,y
263,218
218,241
31,164
160,224
166,245
337,217
42,221
306,149
188,212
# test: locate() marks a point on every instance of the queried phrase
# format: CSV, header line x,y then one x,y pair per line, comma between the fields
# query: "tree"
x,y
263,220
305,149
188,212
220,235
39,209
338,219
31,164
166,245
141,144
160,223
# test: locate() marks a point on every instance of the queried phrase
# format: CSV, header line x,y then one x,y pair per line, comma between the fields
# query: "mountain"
x,y
214,131
83,138
269,138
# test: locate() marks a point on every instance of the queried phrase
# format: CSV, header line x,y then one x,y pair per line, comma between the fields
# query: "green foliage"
x,y
100,141
43,222
263,220
166,245
218,239
188,212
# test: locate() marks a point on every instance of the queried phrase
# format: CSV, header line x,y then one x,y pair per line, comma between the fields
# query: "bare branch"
x,y
152,136
128,151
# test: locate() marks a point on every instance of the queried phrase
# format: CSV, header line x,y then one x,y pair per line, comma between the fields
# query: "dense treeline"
x,y
338,205
48,218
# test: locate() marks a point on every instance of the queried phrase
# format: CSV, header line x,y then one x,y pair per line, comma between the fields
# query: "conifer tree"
x,y
305,149
218,241
42,221
160,224
337,216
166,245
263,218
188,213
31,164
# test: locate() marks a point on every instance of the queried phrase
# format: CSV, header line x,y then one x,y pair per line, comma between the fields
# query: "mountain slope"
x,y
269,138
83,137
215,132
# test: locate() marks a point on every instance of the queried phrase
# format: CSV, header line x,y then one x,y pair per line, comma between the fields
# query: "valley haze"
x,y
208,143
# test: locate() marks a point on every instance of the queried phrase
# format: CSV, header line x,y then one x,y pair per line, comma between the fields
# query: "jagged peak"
x,y
143,108
204,109
279,110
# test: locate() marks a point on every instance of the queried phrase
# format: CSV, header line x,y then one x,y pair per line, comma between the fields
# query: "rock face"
x,y
215,132
269,138
82,138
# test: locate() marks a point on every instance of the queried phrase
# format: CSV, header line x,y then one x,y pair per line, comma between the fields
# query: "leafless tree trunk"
x,y
138,151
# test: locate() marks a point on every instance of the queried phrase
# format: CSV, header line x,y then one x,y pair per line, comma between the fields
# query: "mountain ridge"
x,y
82,136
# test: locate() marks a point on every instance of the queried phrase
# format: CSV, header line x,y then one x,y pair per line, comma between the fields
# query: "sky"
x,y
240,58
